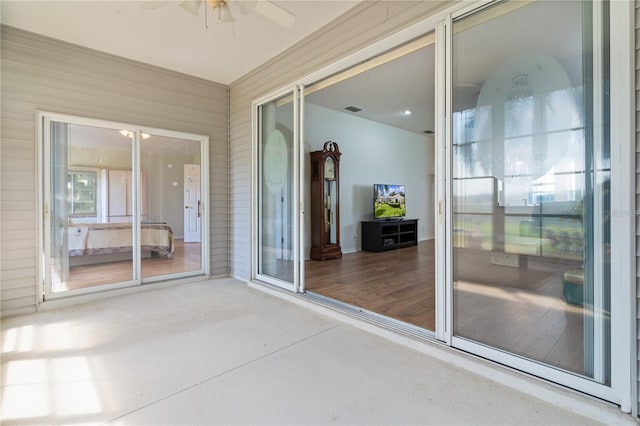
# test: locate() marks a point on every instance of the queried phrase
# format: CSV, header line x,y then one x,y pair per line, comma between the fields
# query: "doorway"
x,y
113,205
385,127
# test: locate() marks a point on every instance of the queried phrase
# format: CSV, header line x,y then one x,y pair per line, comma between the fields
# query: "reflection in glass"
x,y
276,253
91,207
171,210
530,189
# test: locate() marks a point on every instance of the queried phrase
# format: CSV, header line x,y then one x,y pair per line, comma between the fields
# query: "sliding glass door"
x,y
530,192
277,236
84,207
121,205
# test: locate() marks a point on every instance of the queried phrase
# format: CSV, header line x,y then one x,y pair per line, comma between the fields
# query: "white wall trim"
x,y
623,210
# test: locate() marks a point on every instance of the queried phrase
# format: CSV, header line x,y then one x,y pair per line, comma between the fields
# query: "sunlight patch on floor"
x,y
56,386
18,339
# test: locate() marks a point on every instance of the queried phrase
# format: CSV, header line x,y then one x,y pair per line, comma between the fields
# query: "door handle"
x,y
199,203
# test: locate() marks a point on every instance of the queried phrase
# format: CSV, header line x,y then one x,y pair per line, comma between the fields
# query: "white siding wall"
x,y
364,24
40,73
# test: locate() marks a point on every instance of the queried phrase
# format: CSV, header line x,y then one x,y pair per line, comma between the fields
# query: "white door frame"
x,y
43,120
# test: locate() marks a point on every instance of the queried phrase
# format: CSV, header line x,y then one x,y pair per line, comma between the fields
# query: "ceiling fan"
x,y
222,11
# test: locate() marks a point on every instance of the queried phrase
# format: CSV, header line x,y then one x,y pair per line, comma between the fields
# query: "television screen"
x,y
389,201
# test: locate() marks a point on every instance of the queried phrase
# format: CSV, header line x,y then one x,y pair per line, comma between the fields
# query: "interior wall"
x,y
371,153
366,23
40,73
164,179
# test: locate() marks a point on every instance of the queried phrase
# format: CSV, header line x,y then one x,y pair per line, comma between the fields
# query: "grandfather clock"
x,y
325,206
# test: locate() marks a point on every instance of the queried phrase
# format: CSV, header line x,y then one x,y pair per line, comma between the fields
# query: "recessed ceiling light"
x,y
407,112
353,109
129,134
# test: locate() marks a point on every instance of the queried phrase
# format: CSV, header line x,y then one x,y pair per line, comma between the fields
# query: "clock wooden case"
x,y
325,203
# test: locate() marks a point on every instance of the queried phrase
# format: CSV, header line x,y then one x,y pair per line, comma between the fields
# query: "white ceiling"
x,y
384,93
168,36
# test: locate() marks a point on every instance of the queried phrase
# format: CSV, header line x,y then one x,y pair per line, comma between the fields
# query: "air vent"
x,y
353,109
428,132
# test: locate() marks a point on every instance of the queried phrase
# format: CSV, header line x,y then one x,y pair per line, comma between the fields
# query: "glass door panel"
x,y
276,212
90,199
530,185
172,210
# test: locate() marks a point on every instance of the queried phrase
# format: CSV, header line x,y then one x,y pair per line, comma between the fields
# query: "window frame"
x,y
97,193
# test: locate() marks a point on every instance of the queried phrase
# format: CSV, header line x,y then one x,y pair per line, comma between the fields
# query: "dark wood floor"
x,y
398,283
520,310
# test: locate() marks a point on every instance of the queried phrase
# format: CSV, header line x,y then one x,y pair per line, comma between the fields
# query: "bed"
x,y
91,243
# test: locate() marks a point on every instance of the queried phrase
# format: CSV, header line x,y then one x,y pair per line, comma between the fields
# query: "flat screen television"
x,y
388,202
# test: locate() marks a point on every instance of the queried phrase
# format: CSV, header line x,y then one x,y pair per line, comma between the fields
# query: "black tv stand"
x,y
381,235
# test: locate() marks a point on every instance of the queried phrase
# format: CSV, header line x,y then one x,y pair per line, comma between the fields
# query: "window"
x,y
82,193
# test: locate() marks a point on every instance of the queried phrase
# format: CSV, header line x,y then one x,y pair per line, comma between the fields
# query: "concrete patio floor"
x,y
220,352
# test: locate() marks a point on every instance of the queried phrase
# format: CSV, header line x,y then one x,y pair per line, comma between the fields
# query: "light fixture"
x,y
129,134
223,10
407,112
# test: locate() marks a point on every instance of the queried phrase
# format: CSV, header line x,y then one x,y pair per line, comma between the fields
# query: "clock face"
x,y
329,168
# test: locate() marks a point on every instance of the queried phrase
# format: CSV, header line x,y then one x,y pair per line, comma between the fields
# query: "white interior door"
x,y
192,215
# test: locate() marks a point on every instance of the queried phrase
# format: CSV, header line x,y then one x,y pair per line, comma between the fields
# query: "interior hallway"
x,y
220,352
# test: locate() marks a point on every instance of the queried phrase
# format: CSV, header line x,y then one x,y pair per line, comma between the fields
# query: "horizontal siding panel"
x,y
17,180
17,264
95,62
24,223
18,154
103,93
106,100
10,165
17,306
23,206
18,196
21,274
11,284
30,68
19,254
17,144
18,243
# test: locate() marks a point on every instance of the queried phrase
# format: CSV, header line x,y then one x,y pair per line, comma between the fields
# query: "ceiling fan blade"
x,y
192,6
153,4
247,6
275,13
224,14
